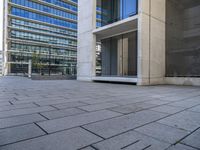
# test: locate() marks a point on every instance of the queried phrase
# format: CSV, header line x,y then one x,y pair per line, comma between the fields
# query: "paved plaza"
x,y
74,115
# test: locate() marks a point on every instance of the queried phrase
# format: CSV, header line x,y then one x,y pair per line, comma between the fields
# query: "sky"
x,y
1,24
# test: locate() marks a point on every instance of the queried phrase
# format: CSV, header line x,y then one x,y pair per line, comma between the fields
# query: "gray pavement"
x,y
74,115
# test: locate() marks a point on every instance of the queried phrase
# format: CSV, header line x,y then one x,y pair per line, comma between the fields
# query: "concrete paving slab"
x,y
69,105
19,106
173,98
158,102
62,113
163,132
20,120
195,109
88,148
187,103
184,120
168,109
15,134
96,107
193,139
75,121
126,109
67,140
131,140
111,127
51,102
132,100
180,147
5,103
25,111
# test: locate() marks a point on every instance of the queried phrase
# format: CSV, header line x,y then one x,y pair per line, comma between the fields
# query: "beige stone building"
x,y
146,42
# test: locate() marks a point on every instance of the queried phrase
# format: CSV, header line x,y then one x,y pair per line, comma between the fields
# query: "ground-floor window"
x,y
117,56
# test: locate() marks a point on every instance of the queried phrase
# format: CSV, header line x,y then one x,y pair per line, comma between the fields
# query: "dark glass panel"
x,y
115,10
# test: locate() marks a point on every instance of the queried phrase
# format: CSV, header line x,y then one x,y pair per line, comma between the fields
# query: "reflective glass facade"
x,y
115,10
45,32
98,16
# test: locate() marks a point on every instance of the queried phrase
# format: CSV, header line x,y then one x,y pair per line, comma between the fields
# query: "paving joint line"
x,y
43,116
55,107
41,128
92,132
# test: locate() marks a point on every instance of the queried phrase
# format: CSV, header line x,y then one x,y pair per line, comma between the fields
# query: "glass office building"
x,y
43,32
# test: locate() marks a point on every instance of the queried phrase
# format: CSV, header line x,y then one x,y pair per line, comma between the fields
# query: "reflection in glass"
x,y
115,10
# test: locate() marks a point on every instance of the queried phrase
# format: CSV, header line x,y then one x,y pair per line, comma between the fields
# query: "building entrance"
x,y
118,55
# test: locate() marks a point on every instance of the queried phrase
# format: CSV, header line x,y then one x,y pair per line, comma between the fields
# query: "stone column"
x,y
151,42
6,66
86,40
29,68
